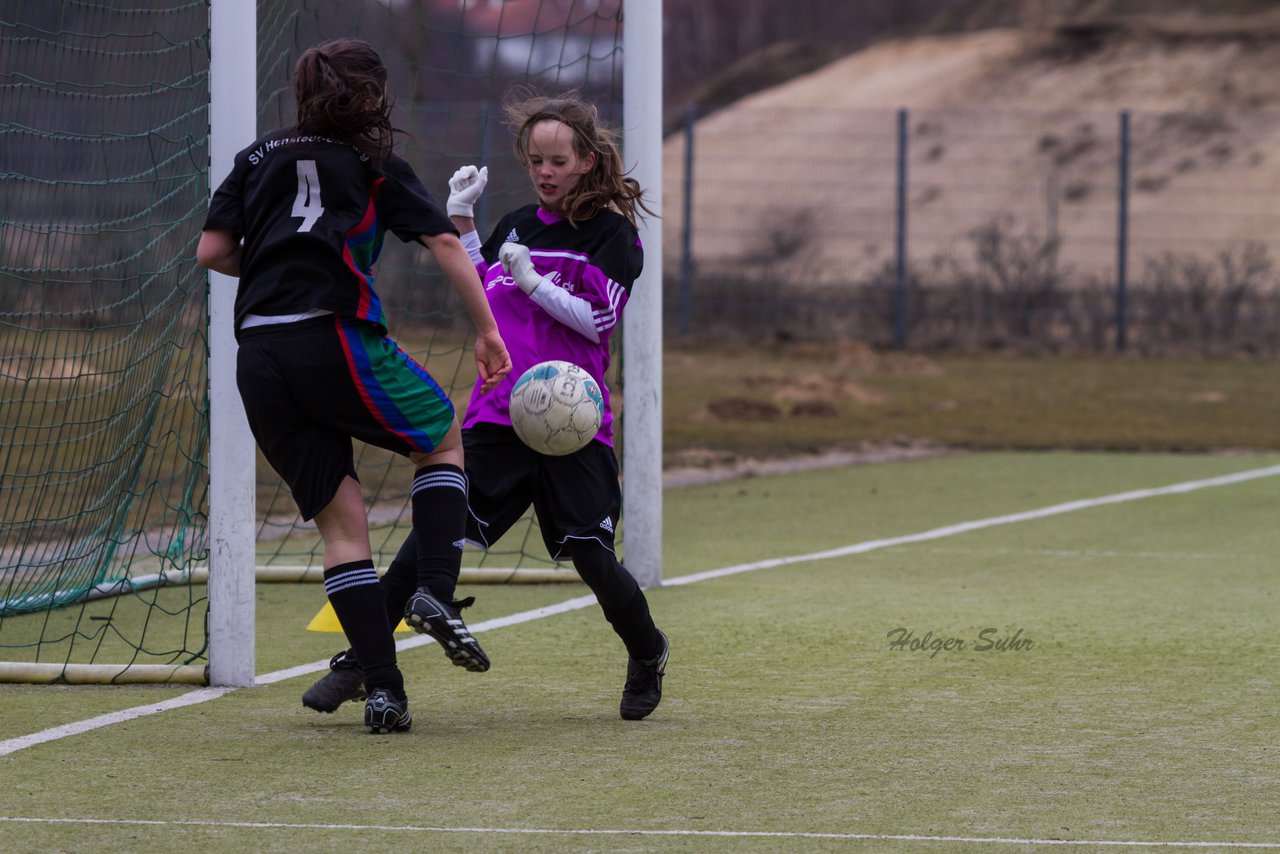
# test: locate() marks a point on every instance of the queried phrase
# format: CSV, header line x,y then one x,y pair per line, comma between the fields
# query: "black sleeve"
x,y
404,204
489,249
621,257
226,208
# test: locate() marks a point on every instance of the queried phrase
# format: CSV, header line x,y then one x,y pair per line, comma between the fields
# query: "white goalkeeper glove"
x,y
465,188
519,266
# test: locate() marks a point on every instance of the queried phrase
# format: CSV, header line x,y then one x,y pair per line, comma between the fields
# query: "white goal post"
x,y
233,123
642,322
232,522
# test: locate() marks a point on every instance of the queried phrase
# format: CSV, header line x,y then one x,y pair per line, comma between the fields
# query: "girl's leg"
x,y
627,610
440,509
620,597
353,588
440,528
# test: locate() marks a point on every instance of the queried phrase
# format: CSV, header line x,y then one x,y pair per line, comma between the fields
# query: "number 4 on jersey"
x,y
307,204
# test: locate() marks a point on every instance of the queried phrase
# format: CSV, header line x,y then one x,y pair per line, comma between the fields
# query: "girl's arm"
x,y
574,312
493,362
465,189
219,250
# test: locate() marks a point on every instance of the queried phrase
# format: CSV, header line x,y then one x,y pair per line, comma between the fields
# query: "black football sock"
x,y
633,623
440,526
357,599
620,597
398,584
400,580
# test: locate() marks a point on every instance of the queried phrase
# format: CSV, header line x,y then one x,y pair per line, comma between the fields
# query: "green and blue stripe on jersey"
x,y
361,247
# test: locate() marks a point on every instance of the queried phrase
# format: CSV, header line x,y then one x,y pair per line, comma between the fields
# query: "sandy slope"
x,y
1018,128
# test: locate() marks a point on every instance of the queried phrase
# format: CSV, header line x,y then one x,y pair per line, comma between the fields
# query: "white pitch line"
x,y
202,695
191,698
1084,553
422,640
548,831
980,524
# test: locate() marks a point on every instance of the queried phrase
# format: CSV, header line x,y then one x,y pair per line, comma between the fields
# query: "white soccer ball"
x,y
556,408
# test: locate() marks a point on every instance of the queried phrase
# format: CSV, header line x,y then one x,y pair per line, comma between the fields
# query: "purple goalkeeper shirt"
x,y
596,261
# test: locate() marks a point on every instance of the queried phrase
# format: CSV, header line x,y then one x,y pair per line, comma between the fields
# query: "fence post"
x,y
900,292
686,232
1122,236
482,204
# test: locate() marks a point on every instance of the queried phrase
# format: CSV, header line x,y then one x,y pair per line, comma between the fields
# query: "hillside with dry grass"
x,y
1011,128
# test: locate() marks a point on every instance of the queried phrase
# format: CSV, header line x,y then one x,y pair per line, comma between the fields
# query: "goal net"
x,y
104,378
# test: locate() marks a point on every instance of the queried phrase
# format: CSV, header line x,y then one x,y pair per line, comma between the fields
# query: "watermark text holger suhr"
x,y
986,640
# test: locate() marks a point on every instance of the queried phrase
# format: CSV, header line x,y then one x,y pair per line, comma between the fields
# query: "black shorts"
x,y
311,387
576,496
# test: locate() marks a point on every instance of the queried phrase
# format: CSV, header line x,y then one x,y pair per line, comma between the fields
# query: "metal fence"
x,y
986,228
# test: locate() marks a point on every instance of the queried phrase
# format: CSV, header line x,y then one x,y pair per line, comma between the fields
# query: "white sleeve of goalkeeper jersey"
x,y
471,243
574,312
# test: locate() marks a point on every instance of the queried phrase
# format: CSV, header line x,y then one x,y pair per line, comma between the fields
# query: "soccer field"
x,y
998,652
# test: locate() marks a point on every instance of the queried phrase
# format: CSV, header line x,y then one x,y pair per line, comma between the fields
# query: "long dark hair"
x,y
341,91
607,184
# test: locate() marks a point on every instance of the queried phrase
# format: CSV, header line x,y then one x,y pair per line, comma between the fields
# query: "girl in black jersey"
x,y
557,274
301,220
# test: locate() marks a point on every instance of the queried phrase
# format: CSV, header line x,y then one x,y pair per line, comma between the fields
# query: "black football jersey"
x,y
313,212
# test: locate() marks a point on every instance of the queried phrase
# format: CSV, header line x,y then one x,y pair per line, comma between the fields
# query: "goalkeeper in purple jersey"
x,y
557,275
300,221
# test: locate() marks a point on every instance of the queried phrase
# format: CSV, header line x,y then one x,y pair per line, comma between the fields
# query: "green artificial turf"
x,y
1134,699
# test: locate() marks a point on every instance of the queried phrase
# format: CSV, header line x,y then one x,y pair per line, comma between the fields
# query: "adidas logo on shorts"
x,y
513,237
607,525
